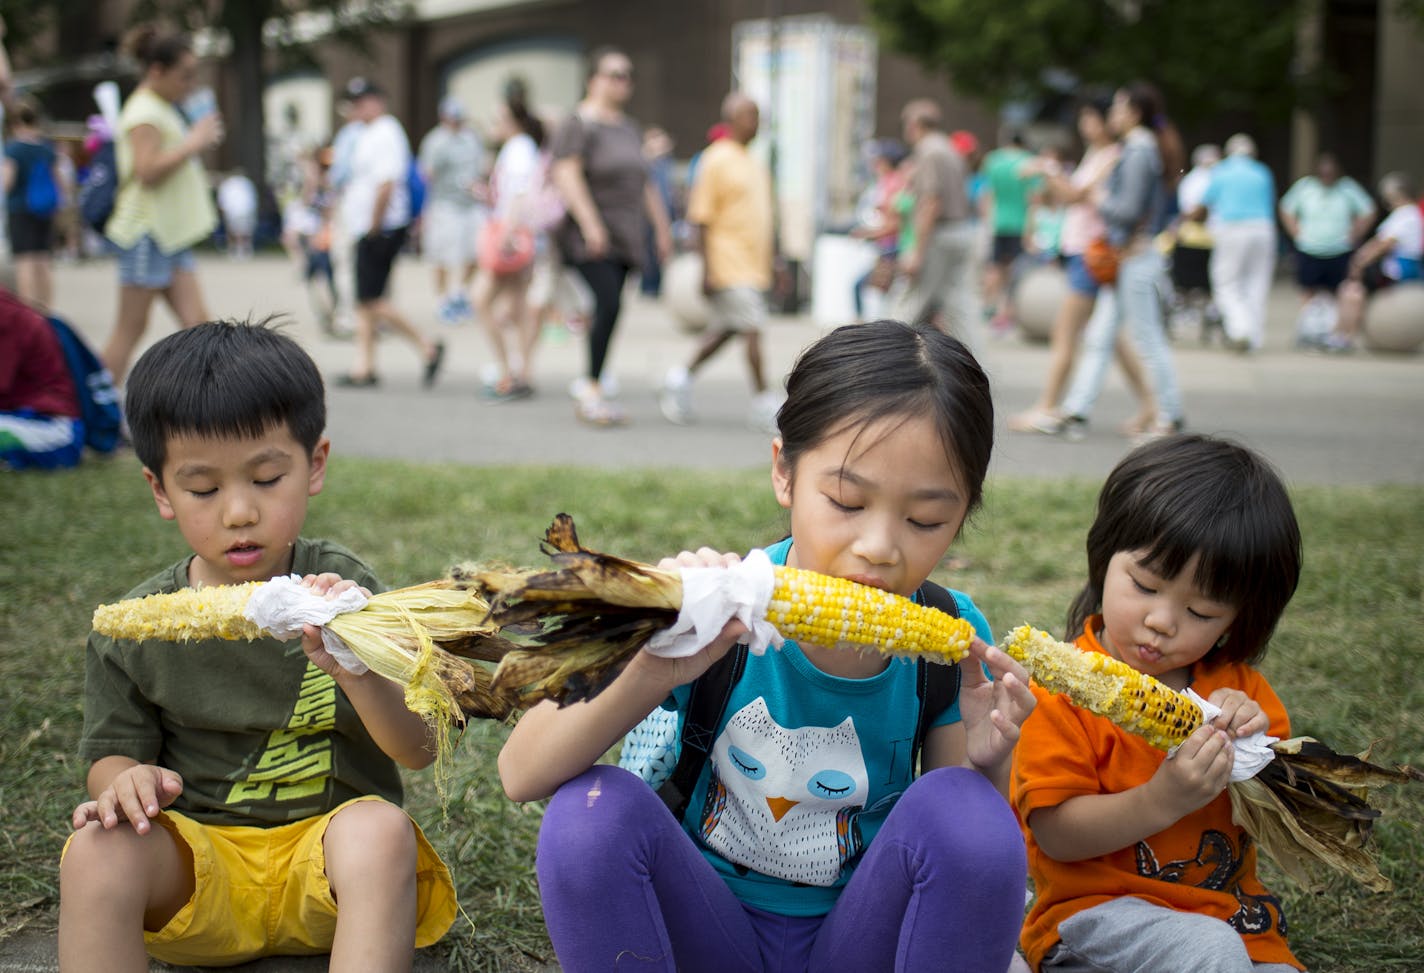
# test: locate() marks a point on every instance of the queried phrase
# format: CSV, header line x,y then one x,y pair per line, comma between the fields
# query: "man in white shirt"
x,y
375,212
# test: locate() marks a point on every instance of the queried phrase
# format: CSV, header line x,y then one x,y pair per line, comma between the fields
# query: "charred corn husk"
x,y
815,608
1101,684
1308,809
585,619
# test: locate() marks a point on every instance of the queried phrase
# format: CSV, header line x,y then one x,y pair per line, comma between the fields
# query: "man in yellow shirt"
x,y
730,210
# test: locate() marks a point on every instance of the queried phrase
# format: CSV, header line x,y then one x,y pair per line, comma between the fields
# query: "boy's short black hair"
x,y
223,379
1201,495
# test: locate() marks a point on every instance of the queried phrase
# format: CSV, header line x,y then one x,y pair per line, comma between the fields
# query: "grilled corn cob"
x,y
186,615
412,636
1101,684
815,608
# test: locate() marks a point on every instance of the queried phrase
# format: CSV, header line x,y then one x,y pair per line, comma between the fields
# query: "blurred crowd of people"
x,y
531,223
1142,239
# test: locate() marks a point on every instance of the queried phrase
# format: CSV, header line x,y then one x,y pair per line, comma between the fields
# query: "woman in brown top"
x,y
600,172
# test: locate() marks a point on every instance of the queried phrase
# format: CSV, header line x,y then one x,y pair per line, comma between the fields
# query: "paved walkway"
x,y
1352,419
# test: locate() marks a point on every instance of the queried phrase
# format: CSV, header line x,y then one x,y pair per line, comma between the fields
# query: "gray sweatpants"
x,y
1128,935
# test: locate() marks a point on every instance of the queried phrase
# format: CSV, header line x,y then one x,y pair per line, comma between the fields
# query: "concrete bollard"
x,y
1394,319
1037,298
682,292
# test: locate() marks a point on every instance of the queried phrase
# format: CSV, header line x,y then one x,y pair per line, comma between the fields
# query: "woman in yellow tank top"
x,y
163,206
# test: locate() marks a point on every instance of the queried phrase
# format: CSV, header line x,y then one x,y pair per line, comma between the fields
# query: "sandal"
x,y
507,390
1138,425
597,412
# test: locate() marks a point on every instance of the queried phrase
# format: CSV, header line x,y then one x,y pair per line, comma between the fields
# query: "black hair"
x,y
223,379
1095,103
1192,495
152,47
597,55
864,372
1146,99
24,111
516,99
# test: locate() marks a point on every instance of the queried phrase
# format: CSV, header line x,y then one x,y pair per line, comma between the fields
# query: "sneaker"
x,y
1075,429
597,412
1338,344
1158,430
584,387
762,415
449,312
675,397
1035,421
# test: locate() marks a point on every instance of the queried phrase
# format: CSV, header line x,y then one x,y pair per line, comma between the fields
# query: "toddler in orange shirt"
x,y
1136,862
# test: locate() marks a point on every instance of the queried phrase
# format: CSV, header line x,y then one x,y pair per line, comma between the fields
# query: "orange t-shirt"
x,y
1204,863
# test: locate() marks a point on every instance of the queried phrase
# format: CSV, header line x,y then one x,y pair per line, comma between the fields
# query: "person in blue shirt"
x,y
30,157
808,842
1241,198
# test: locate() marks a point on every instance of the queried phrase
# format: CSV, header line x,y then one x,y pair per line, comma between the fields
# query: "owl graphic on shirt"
x,y
784,801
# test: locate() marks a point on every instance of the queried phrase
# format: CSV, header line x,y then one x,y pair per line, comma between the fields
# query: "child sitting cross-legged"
x,y
242,790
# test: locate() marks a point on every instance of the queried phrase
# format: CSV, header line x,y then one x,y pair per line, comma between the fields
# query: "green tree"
x,y
1208,56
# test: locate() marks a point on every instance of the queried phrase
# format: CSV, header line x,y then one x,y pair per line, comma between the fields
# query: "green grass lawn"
x,y
1345,659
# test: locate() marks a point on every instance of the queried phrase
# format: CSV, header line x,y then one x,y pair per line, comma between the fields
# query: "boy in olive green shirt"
x,y
240,790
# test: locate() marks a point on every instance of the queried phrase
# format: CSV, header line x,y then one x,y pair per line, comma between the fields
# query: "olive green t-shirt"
x,y
259,735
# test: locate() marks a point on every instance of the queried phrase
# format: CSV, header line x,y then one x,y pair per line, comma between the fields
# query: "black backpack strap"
x,y
710,694
936,686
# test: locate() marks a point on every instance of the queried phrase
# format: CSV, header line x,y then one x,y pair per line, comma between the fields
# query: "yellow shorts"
x,y
263,892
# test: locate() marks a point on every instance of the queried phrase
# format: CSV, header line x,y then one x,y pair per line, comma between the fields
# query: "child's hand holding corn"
x,y
993,709
327,585
1194,774
1240,715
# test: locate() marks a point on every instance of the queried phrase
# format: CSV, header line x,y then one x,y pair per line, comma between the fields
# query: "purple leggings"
x,y
941,887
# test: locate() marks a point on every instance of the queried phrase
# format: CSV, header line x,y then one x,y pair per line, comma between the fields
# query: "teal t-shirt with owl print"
x,y
804,769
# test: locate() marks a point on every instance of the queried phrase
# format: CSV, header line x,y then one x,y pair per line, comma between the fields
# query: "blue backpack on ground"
x,y
99,407
100,186
41,193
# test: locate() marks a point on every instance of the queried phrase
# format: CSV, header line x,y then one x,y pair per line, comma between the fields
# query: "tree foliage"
x,y
1208,56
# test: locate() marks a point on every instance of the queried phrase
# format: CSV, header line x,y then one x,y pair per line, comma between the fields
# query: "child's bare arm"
x,y
551,744
123,789
1098,824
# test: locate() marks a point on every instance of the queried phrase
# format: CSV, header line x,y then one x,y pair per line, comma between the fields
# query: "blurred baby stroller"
x,y
1190,308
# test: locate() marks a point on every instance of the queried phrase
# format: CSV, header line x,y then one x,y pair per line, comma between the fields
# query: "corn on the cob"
x,y
815,608
187,615
1101,684
412,636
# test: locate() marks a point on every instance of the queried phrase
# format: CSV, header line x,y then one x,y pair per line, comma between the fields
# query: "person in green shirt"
x,y
239,791
1010,185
